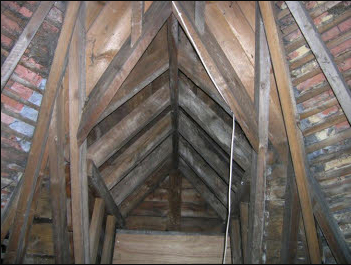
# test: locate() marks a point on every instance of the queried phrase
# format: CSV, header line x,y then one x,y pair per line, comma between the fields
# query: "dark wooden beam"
x,y
235,241
137,21
36,153
202,189
174,200
138,175
58,182
120,134
215,126
244,224
137,151
101,189
262,103
323,56
120,67
96,227
221,73
296,144
172,34
107,248
200,16
150,184
23,41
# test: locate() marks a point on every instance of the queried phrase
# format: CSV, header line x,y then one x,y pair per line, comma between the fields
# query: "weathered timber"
x,y
150,184
137,176
213,125
136,152
235,241
107,248
205,192
93,9
172,36
284,83
58,182
323,56
149,67
117,136
203,170
78,165
262,103
96,227
23,41
101,189
200,16
30,177
209,150
221,73
120,67
174,200
137,21
244,224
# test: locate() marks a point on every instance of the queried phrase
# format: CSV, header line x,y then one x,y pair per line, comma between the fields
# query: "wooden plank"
x,y
283,79
148,69
174,200
221,74
40,135
323,56
326,123
219,131
96,227
163,248
202,189
200,16
137,152
209,150
93,10
78,167
23,41
244,224
150,184
107,248
58,182
138,175
100,187
172,37
203,170
120,134
235,241
262,102
137,21
124,61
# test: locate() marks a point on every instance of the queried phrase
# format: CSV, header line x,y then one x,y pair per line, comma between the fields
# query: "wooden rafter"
x,y
36,153
137,21
124,61
323,55
283,78
23,41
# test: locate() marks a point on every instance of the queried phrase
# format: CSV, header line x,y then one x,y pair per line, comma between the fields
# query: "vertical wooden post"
x,y
58,182
244,222
96,227
174,199
107,247
283,79
258,187
79,181
235,242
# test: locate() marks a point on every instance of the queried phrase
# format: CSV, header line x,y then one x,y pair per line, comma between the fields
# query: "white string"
x,y
229,191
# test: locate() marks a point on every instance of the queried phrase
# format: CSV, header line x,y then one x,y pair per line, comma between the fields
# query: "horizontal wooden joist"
x,y
120,67
120,134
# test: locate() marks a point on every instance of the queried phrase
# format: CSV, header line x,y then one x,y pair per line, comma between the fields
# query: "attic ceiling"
x,y
167,122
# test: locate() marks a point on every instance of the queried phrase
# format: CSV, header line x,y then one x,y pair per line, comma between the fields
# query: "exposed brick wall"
x,y
22,95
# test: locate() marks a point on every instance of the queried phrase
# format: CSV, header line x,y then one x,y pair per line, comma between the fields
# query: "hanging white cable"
x,y
229,191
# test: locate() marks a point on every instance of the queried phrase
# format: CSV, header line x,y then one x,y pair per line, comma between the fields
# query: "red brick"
x,y
318,20
10,25
346,65
341,47
330,111
6,42
293,35
28,75
11,5
346,25
342,126
333,32
25,12
11,103
5,118
33,63
12,143
21,90
311,82
311,4
50,28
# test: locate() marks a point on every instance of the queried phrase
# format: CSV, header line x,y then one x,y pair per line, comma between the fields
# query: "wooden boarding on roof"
x,y
128,159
